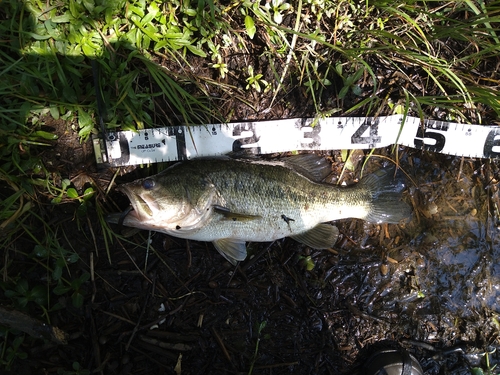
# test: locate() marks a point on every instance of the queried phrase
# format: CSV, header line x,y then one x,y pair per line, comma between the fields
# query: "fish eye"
x,y
148,184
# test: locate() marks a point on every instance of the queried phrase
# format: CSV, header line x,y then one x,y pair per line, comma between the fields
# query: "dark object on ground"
x,y
392,362
33,327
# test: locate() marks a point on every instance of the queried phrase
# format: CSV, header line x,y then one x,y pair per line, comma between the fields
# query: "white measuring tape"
x,y
264,137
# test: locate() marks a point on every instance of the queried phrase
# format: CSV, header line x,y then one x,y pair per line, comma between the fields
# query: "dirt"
x,y
161,305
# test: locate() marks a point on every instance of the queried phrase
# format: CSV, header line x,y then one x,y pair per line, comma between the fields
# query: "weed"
x,y
256,81
260,328
11,353
277,8
76,370
488,370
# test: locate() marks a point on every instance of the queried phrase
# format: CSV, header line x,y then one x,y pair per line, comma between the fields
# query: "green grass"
x,y
195,62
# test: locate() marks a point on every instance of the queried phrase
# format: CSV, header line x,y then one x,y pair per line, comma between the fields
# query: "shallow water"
x,y
459,243
445,286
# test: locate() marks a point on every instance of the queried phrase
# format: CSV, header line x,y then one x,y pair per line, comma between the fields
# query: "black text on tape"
x,y
264,137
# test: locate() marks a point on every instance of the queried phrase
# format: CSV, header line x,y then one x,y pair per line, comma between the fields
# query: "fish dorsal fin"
x,y
312,166
233,250
234,216
322,236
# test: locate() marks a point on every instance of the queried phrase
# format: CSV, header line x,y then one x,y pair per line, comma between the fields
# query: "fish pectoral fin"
x,y
233,250
322,236
234,216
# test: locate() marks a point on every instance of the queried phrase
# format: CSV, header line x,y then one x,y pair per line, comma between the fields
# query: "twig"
x,y
221,344
95,343
136,328
33,327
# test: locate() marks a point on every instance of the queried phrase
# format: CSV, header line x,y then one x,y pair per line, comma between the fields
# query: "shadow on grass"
x,y
49,249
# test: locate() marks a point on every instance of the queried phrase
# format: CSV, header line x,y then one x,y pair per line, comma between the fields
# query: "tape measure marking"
x,y
263,137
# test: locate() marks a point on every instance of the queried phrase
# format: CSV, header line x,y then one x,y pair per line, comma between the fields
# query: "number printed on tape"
x,y
264,137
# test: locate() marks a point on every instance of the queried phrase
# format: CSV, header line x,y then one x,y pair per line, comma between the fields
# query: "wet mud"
x,y
162,305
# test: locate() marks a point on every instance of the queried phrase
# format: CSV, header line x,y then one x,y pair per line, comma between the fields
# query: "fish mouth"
x,y
143,206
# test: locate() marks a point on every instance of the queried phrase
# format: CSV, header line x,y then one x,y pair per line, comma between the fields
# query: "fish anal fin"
x,y
322,236
233,250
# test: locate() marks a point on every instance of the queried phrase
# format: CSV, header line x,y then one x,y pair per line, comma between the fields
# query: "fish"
x,y
233,201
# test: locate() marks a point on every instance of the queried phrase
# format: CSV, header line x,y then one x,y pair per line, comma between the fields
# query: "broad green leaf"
x,y
10,294
77,299
356,90
40,251
358,74
173,35
85,131
338,69
250,26
131,36
150,31
60,289
89,5
88,50
74,8
136,10
65,183
190,12
38,36
73,258
147,19
64,18
343,92
72,193
39,295
45,135
161,44
69,94
84,119
278,18
74,35
196,51
22,287
17,342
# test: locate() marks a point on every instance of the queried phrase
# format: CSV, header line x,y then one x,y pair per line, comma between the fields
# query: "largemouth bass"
x,y
230,202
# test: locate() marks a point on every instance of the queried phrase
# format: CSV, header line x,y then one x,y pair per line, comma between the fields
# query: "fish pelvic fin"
x,y
386,205
233,250
322,236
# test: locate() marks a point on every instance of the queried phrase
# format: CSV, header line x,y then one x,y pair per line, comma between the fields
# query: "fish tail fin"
x,y
386,204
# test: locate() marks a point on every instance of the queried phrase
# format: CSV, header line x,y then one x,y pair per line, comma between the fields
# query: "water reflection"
x,y
443,280
460,241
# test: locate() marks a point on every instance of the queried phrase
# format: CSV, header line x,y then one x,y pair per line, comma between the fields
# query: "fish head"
x,y
158,202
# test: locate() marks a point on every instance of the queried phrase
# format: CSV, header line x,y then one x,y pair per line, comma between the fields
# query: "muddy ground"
x,y
162,305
